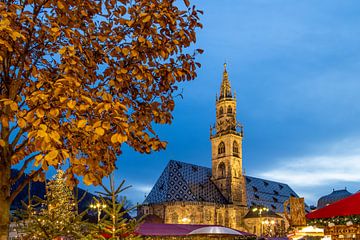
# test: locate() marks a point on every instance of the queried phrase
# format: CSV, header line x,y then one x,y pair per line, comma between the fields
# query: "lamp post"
x,y
260,210
99,207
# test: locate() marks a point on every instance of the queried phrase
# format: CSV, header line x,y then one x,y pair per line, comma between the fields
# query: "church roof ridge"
x,y
267,180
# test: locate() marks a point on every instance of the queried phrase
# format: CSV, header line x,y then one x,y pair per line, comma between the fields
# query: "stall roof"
x,y
159,229
345,207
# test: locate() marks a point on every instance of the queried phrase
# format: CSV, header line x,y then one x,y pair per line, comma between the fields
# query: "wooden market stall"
x,y
190,232
341,219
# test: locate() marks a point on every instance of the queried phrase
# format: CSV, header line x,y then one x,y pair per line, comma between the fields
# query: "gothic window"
x,y
235,147
229,110
221,148
221,170
174,218
221,111
220,220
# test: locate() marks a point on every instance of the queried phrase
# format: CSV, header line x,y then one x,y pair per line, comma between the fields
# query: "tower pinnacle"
x,y
225,89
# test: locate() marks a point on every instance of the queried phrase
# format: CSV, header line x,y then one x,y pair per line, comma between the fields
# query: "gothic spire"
x,y
225,89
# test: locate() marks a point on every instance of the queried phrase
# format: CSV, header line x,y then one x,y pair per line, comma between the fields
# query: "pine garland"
x,y
339,220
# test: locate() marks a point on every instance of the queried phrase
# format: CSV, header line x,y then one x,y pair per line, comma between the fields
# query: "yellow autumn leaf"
x,y
60,5
65,154
87,179
125,51
87,99
106,125
54,29
40,113
83,107
146,19
114,138
99,131
38,159
51,155
102,38
122,138
71,104
41,133
43,127
2,143
81,123
55,136
62,50
62,99
21,122
97,124
14,106
54,112
15,35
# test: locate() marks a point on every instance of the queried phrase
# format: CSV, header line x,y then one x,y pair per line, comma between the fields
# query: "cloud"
x,y
327,166
142,188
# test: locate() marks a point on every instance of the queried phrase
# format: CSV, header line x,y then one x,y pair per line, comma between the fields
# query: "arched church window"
x,y
235,147
220,219
221,111
229,110
221,170
221,148
174,218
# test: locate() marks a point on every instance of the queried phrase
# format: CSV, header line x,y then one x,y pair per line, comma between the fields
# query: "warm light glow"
x,y
309,229
272,222
185,220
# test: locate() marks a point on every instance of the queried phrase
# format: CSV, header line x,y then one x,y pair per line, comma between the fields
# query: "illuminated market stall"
x,y
341,219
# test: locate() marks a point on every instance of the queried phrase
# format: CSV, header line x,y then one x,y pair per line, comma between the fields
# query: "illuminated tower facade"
x,y
226,144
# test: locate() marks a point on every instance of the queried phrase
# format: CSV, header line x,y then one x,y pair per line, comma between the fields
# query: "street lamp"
x,y
99,207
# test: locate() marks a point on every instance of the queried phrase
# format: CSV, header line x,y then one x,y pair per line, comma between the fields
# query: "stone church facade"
x,y
223,195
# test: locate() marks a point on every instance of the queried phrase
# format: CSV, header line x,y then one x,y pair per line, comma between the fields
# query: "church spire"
x,y
225,89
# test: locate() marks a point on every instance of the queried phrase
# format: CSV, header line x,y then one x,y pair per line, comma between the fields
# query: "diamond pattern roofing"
x,y
188,182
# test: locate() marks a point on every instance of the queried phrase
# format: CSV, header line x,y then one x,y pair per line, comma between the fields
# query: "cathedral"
x,y
221,195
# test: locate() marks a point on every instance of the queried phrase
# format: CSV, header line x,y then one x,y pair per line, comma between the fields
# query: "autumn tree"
x,y
79,78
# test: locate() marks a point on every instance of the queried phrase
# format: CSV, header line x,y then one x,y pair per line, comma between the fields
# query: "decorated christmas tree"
x,y
54,216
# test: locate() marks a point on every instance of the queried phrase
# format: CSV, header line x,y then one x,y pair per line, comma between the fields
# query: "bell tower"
x,y
226,146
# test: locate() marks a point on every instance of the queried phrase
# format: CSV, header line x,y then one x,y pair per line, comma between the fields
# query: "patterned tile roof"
x,y
267,193
184,182
188,182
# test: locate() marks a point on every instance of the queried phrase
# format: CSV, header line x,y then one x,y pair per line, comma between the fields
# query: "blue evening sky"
x,y
295,66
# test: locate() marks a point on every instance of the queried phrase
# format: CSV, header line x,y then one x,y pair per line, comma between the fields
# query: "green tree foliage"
x,y
114,224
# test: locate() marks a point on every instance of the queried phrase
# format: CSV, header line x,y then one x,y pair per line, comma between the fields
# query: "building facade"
x,y
220,195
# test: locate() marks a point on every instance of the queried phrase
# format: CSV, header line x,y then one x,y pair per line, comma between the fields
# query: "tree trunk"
x,y
5,171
